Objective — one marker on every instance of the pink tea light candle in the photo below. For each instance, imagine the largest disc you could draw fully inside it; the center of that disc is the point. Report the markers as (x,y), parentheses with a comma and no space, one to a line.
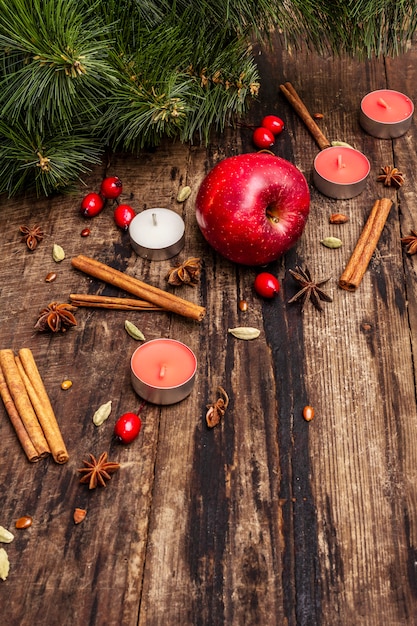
(340,172)
(163,371)
(386,114)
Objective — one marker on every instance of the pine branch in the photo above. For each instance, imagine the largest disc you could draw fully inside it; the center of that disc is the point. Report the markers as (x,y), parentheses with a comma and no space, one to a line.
(47,164)
(58,57)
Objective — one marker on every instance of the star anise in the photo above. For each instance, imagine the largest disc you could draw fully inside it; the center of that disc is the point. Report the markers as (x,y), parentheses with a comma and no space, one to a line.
(56,317)
(31,235)
(97,471)
(391,176)
(311,290)
(410,242)
(185,274)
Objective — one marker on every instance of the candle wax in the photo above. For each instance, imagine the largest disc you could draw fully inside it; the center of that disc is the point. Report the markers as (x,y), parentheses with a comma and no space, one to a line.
(163,363)
(387,106)
(156,228)
(342,165)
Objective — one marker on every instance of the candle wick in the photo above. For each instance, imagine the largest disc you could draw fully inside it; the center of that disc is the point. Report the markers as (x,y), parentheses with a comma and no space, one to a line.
(154,220)
(382,103)
(340,163)
(162,371)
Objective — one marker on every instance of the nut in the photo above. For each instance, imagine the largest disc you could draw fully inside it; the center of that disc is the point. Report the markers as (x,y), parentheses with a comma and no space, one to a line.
(338,218)
(308,413)
(79,515)
(24,522)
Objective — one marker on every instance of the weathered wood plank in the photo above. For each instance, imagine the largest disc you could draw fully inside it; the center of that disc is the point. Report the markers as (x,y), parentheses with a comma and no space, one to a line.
(266,519)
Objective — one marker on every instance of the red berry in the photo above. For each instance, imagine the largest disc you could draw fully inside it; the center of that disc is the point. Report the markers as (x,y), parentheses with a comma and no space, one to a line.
(91,204)
(266,285)
(123,215)
(273,123)
(127,427)
(111,187)
(263,138)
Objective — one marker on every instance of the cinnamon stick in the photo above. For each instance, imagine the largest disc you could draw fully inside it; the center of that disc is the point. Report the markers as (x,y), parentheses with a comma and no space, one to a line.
(108,302)
(42,405)
(366,245)
(22,402)
(158,297)
(16,420)
(298,105)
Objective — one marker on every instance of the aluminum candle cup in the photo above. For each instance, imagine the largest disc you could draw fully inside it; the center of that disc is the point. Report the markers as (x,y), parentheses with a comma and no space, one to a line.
(386,114)
(163,371)
(340,172)
(157,234)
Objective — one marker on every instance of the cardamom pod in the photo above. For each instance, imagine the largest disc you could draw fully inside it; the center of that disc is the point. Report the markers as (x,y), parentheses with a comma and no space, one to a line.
(4,564)
(102,413)
(244,332)
(134,331)
(58,253)
(341,143)
(183,194)
(331,242)
(5,535)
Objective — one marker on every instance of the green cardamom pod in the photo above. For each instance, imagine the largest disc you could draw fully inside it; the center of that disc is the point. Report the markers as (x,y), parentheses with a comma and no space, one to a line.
(58,253)
(183,194)
(341,143)
(5,535)
(4,564)
(244,332)
(102,413)
(331,242)
(134,331)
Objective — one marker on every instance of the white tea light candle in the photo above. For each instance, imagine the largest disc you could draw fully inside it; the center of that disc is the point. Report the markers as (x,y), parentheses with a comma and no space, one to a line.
(157,234)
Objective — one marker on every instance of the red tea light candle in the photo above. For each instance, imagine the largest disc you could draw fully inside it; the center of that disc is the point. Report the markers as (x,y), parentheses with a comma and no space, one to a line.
(386,114)
(163,371)
(340,172)
(157,234)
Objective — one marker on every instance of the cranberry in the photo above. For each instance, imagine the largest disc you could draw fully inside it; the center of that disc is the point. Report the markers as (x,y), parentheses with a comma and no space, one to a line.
(266,285)
(127,427)
(263,138)
(111,187)
(92,204)
(123,215)
(273,124)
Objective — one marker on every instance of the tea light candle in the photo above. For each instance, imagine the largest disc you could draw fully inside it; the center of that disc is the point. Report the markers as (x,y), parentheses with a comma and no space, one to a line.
(386,114)
(157,234)
(340,172)
(163,371)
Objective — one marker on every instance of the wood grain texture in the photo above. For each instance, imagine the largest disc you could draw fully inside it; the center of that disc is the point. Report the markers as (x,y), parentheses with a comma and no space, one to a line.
(265,519)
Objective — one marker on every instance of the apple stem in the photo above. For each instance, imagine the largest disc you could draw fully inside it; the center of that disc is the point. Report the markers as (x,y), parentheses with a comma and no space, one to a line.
(272,217)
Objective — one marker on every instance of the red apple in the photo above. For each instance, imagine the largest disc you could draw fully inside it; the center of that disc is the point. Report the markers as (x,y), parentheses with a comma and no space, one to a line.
(253,207)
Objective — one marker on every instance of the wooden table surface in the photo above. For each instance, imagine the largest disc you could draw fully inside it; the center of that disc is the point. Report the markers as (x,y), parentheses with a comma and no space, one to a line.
(265,519)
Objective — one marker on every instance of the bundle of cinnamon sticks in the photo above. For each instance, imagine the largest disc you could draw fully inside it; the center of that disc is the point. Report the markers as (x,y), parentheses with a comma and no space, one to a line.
(29,408)
(152,298)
